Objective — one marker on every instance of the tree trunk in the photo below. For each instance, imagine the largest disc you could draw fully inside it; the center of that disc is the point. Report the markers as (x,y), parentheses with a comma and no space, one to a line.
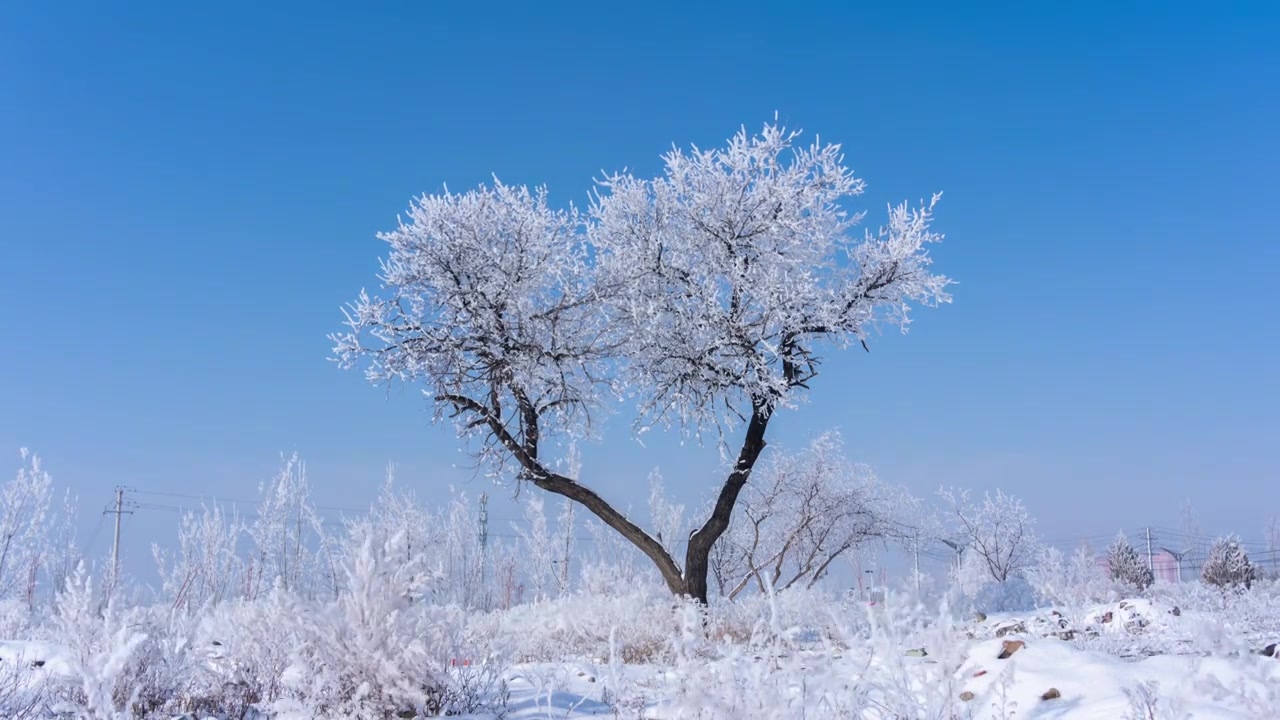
(702,540)
(692,582)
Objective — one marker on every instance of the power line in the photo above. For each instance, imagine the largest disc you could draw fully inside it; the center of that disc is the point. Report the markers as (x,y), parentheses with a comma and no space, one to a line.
(235,501)
(240,516)
(102,519)
(202,498)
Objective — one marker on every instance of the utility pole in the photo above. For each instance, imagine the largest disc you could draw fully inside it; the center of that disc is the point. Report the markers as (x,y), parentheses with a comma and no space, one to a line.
(917,566)
(959,548)
(862,591)
(1151,559)
(484,541)
(115,544)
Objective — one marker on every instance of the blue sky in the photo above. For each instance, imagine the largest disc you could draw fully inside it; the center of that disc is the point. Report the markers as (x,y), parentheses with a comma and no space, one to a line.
(190,191)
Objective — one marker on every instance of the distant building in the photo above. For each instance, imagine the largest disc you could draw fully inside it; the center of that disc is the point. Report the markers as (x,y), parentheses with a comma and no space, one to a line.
(1165,566)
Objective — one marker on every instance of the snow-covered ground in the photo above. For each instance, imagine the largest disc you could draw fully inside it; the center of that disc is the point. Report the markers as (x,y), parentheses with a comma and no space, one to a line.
(1044,678)
(1038,667)
(1136,658)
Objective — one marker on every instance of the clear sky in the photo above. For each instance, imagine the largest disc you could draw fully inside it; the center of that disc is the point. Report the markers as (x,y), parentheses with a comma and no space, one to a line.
(190,191)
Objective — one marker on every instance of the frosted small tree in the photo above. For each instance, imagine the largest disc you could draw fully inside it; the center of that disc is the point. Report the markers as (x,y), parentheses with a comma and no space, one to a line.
(397,512)
(1228,565)
(998,533)
(545,551)
(706,296)
(289,542)
(1126,566)
(276,542)
(64,548)
(804,511)
(462,558)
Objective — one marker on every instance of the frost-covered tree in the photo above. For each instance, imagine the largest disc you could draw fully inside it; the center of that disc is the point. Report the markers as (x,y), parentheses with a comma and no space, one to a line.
(397,512)
(1126,567)
(206,569)
(289,540)
(64,549)
(540,548)
(24,525)
(462,557)
(705,295)
(545,551)
(1070,582)
(802,512)
(998,533)
(1228,565)
(565,561)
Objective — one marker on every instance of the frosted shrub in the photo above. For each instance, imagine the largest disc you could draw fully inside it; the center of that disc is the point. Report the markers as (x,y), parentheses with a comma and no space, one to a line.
(367,654)
(580,626)
(1013,595)
(1070,582)
(807,616)
(772,679)
(162,673)
(244,649)
(801,512)
(20,697)
(638,628)
(902,685)
(614,567)
(865,669)
(1145,703)
(101,647)
(381,649)
(1252,616)
(16,620)
(288,539)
